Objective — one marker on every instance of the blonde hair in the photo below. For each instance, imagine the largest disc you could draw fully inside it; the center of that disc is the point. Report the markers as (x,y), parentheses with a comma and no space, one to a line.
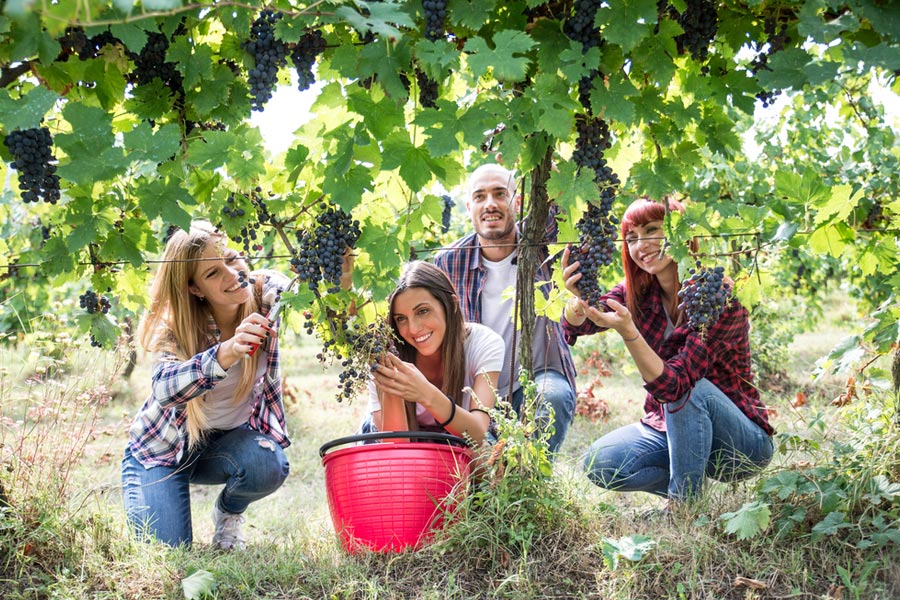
(177,320)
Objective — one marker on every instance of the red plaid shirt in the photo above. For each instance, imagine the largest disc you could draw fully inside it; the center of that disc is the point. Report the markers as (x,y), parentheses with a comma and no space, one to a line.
(721,355)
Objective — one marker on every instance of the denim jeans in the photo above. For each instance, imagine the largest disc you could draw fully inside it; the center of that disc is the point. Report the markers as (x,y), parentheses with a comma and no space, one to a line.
(706,436)
(158,500)
(553,391)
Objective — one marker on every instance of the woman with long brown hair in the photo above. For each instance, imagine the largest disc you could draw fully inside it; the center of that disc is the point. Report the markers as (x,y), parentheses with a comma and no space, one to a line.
(215,413)
(445,370)
(703,415)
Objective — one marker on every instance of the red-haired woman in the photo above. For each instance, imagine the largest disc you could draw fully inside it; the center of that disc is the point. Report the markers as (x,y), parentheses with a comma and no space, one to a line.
(704,417)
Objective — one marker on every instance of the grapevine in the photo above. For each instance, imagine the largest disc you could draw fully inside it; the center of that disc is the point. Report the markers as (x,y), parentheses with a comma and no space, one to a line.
(270,55)
(33,159)
(703,296)
(310,46)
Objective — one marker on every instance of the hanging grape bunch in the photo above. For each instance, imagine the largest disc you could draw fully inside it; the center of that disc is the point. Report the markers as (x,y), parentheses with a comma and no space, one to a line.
(304,55)
(363,347)
(270,55)
(446,213)
(151,64)
(596,248)
(776,40)
(93,303)
(580,26)
(429,90)
(435,15)
(320,253)
(32,151)
(703,296)
(700,24)
(597,226)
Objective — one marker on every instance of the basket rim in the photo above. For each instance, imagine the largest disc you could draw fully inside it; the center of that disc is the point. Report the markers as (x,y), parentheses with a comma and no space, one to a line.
(429,436)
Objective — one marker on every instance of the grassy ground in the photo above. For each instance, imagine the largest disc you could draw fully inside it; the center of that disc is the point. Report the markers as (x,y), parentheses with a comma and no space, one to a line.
(65,537)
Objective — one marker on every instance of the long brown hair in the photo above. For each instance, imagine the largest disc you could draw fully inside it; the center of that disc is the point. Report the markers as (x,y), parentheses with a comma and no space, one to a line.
(177,320)
(637,281)
(420,274)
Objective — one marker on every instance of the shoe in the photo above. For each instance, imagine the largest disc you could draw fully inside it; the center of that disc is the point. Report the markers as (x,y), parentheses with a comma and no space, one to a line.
(228,535)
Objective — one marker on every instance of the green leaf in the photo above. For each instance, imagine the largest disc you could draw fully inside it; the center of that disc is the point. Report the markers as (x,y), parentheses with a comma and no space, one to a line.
(787,70)
(553,107)
(632,548)
(830,525)
(383,19)
(194,60)
(28,111)
(748,521)
(628,23)
(150,101)
(614,102)
(837,206)
(416,166)
(198,584)
(143,144)
(134,37)
(163,198)
(505,59)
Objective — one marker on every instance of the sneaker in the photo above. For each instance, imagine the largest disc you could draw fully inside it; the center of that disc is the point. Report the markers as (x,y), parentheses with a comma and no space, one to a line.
(228,535)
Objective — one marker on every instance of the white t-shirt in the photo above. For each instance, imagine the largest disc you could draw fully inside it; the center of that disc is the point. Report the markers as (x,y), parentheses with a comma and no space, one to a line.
(500,278)
(484,354)
(221,409)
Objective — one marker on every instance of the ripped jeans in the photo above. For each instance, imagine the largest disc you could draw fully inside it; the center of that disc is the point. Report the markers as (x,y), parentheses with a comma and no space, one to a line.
(158,500)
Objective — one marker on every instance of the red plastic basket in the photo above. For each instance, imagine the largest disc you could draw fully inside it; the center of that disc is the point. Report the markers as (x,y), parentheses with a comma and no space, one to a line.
(389,497)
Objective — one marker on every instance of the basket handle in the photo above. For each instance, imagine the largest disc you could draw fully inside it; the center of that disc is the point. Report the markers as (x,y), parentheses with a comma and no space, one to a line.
(426,436)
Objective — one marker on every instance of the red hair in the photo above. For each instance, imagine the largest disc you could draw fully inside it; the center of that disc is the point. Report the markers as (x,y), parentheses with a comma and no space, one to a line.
(637,281)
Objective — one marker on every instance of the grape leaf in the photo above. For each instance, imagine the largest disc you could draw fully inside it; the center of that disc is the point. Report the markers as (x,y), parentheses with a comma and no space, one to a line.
(194,61)
(628,23)
(748,521)
(506,58)
(26,112)
(632,548)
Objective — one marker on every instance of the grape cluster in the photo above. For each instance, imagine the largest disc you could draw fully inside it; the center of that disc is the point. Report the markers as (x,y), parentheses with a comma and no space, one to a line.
(446,213)
(270,55)
(92,303)
(597,248)
(700,23)
(304,55)
(363,349)
(74,41)
(249,235)
(435,15)
(593,140)
(776,41)
(33,159)
(428,90)
(703,296)
(320,255)
(151,64)
(580,25)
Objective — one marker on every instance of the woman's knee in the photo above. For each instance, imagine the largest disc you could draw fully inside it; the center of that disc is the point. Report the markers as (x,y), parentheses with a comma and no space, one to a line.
(270,469)
(600,469)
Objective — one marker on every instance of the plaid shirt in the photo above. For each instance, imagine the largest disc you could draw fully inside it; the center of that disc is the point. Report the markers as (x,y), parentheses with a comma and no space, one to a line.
(158,436)
(461,261)
(722,356)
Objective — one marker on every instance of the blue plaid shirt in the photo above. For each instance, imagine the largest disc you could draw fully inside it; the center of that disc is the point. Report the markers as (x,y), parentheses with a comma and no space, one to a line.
(461,261)
(158,436)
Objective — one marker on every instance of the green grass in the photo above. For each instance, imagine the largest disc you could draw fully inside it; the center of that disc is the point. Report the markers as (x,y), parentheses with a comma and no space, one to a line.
(64,536)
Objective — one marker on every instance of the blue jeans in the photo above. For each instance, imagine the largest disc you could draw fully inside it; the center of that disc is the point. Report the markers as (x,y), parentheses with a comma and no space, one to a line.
(158,500)
(706,436)
(553,391)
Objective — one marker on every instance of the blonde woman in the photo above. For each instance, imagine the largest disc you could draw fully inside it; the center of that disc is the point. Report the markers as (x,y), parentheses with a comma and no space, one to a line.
(215,414)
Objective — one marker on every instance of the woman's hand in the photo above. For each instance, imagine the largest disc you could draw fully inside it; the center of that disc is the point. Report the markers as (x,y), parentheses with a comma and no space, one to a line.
(248,335)
(404,380)
(618,318)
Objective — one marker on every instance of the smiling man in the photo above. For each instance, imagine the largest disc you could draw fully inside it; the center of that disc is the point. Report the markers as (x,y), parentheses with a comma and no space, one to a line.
(482,266)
